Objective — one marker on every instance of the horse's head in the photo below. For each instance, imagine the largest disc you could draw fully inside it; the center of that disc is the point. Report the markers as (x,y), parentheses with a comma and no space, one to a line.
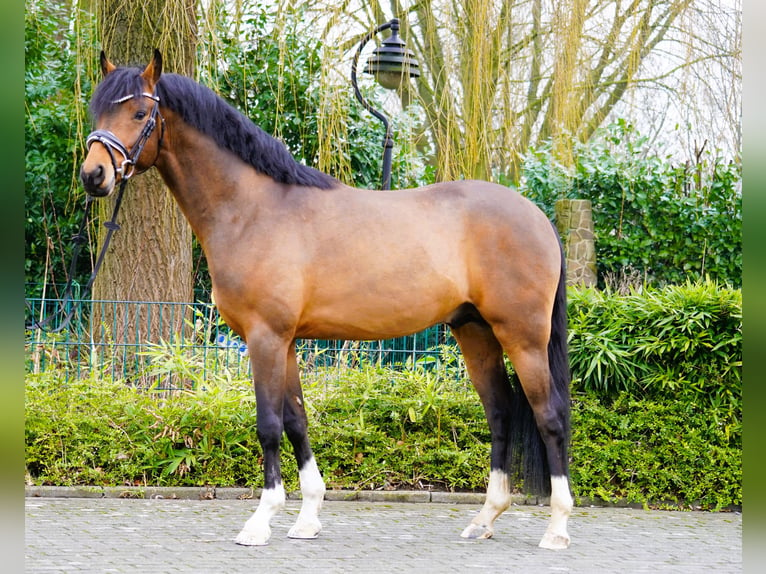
(127,138)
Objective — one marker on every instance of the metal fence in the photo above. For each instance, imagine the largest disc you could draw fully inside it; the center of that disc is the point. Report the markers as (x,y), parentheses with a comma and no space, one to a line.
(179,345)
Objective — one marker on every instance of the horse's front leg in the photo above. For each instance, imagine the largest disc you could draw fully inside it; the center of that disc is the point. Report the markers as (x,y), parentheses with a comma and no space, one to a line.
(268,358)
(307,525)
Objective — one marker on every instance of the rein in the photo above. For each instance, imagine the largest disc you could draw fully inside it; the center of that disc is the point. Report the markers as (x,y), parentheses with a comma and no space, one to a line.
(78,241)
(126,169)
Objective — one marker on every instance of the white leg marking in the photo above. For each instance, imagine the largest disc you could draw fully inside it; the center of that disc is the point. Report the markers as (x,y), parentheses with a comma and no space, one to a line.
(556,537)
(257,529)
(307,525)
(498,499)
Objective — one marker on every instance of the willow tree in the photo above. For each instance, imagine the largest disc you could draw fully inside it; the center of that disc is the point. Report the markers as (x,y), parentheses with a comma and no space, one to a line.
(530,70)
(501,75)
(150,258)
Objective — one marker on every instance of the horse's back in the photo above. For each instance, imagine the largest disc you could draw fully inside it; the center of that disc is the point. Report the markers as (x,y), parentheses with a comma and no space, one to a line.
(383,264)
(490,226)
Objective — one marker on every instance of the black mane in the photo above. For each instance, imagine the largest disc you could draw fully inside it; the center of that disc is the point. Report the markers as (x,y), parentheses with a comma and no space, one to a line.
(202,109)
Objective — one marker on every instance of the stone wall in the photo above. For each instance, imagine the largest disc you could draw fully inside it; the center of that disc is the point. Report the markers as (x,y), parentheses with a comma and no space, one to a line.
(574,220)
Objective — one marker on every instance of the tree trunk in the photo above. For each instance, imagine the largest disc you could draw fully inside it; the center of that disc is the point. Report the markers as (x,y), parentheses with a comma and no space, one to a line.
(150,257)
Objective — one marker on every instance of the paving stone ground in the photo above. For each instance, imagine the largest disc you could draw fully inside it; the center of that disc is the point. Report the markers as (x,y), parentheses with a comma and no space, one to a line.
(109,535)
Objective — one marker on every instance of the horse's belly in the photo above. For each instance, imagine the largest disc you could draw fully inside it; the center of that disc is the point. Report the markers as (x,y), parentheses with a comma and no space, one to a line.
(361,330)
(377,313)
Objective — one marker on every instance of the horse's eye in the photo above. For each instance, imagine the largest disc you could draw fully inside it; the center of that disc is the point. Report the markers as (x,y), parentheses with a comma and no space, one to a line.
(140,115)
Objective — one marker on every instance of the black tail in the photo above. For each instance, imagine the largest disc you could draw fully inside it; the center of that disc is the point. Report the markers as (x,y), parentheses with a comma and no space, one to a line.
(558,358)
(528,463)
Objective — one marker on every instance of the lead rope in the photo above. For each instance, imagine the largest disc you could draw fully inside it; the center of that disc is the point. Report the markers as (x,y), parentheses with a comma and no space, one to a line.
(78,241)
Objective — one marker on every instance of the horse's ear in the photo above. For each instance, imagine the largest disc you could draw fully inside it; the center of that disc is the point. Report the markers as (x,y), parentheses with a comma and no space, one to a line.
(106,66)
(152,72)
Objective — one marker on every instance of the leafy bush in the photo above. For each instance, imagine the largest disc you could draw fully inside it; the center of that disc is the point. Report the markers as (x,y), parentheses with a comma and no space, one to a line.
(671,223)
(378,427)
(682,342)
(662,452)
(371,429)
(374,427)
(101,431)
(657,414)
(53,139)
(657,394)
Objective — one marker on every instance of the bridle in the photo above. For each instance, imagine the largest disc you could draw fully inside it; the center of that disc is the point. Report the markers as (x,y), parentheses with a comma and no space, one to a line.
(126,168)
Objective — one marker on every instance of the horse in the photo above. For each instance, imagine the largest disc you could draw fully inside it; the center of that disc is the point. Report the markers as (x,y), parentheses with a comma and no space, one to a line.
(293,253)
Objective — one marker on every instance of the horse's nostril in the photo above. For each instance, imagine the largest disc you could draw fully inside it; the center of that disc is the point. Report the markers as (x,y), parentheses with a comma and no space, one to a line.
(93,178)
(98,175)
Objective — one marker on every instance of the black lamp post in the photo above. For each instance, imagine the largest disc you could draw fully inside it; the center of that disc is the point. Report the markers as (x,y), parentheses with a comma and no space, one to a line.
(390,64)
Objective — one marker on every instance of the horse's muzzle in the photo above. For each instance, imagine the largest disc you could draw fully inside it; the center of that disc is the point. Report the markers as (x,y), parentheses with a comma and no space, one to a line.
(94,182)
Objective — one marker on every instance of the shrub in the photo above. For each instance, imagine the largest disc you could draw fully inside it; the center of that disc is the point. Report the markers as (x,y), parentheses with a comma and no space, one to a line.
(681,342)
(654,452)
(656,414)
(101,431)
(669,222)
(383,428)
(657,395)
(374,427)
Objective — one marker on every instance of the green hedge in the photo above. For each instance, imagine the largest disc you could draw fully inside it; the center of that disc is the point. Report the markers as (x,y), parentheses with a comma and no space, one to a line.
(681,340)
(667,221)
(656,415)
(651,451)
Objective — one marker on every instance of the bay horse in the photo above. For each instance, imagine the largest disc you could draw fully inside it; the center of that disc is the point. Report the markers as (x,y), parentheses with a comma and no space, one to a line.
(294,253)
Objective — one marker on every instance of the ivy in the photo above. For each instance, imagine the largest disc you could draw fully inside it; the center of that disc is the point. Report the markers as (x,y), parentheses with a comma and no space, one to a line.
(667,222)
(52,146)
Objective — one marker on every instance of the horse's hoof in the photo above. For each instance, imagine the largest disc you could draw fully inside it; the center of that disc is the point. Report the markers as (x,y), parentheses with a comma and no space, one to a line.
(477,531)
(553,541)
(253,537)
(305,530)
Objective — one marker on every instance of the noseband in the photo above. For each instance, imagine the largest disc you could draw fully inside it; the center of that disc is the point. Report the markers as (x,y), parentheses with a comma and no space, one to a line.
(126,168)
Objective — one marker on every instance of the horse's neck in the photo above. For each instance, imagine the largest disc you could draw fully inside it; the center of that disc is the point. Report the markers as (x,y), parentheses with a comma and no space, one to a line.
(211,185)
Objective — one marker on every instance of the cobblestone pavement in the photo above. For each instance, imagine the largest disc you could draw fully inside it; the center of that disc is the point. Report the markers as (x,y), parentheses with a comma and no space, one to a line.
(158,536)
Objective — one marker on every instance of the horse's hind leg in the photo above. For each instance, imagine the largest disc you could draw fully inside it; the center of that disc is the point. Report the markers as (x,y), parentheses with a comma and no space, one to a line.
(484,359)
(551,411)
(307,525)
(518,421)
